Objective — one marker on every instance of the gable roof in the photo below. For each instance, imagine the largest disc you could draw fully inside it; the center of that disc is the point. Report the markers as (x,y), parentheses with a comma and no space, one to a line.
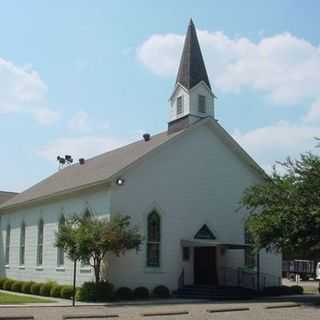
(5,196)
(97,170)
(192,69)
(105,167)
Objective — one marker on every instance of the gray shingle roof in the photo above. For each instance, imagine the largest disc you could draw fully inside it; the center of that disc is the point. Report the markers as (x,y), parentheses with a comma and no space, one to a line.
(5,196)
(192,69)
(95,170)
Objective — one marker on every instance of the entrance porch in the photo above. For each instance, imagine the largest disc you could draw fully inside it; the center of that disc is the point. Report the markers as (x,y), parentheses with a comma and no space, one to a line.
(215,264)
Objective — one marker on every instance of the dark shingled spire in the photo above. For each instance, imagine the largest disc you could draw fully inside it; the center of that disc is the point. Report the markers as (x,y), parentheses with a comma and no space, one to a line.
(192,69)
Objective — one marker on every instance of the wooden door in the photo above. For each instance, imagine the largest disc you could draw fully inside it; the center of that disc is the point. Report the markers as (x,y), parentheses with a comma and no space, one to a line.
(205,267)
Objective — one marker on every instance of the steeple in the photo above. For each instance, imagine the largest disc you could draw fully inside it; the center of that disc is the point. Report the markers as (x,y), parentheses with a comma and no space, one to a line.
(192,69)
(192,98)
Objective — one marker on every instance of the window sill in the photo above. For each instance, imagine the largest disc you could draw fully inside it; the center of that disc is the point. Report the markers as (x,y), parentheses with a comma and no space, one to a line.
(39,268)
(7,266)
(60,269)
(153,270)
(21,267)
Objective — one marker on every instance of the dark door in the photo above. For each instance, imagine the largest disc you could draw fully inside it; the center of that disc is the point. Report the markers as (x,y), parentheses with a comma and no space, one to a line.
(205,267)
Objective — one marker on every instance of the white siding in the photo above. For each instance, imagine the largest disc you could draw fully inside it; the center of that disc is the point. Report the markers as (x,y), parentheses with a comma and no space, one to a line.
(195,180)
(97,201)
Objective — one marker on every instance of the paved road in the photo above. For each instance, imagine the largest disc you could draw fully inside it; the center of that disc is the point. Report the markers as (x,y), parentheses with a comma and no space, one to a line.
(257,310)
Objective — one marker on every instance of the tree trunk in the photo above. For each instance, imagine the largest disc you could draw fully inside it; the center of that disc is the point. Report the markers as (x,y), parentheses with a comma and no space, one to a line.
(97,270)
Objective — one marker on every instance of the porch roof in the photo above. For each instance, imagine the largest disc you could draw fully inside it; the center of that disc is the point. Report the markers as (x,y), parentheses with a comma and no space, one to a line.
(213,243)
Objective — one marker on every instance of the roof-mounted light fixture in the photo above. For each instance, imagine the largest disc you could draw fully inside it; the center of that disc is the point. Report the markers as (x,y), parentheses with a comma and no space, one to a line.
(120,181)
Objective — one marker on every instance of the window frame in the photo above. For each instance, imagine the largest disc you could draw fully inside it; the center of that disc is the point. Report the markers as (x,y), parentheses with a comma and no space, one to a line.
(202,104)
(60,251)
(40,243)
(180,106)
(22,248)
(155,242)
(8,240)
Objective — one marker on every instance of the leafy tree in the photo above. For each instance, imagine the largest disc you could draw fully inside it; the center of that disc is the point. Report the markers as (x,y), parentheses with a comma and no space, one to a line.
(285,209)
(88,239)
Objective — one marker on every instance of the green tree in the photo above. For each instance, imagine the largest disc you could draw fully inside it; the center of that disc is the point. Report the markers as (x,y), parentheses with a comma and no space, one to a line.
(88,239)
(285,209)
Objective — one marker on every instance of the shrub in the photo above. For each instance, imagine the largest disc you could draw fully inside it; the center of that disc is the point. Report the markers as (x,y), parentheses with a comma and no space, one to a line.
(296,290)
(7,284)
(2,280)
(46,288)
(26,286)
(92,292)
(124,293)
(141,293)
(55,291)
(276,291)
(35,288)
(16,286)
(66,292)
(161,292)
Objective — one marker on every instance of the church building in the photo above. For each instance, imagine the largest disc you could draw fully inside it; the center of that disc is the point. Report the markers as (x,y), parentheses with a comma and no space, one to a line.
(181,187)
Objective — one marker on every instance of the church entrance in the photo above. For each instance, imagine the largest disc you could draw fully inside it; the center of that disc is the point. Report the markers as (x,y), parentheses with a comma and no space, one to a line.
(205,266)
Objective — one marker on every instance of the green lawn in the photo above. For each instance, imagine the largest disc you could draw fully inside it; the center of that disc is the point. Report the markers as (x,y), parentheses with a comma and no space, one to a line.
(9,298)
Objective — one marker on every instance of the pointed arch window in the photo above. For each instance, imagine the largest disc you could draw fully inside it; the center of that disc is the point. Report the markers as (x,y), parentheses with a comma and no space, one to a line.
(153,239)
(8,235)
(40,243)
(22,243)
(60,252)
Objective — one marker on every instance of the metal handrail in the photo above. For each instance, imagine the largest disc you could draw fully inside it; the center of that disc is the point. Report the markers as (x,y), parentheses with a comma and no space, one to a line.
(247,279)
(181,279)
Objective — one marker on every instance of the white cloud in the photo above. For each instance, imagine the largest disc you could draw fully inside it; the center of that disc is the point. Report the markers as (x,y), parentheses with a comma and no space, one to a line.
(313,115)
(276,142)
(79,121)
(81,147)
(283,66)
(23,91)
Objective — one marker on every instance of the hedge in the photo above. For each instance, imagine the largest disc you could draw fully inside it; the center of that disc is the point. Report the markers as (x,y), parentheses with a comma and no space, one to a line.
(2,280)
(66,292)
(282,290)
(26,286)
(124,293)
(92,292)
(35,288)
(7,284)
(55,291)
(161,292)
(141,293)
(16,286)
(46,288)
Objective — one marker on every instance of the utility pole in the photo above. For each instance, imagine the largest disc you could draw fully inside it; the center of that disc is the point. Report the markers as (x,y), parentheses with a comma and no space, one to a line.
(74,282)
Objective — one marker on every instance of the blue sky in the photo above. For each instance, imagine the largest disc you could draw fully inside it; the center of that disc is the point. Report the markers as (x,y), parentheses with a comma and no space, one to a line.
(83,77)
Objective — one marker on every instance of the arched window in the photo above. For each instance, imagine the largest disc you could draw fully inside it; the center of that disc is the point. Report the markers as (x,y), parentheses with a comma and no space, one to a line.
(40,243)
(60,252)
(87,213)
(8,234)
(153,239)
(22,243)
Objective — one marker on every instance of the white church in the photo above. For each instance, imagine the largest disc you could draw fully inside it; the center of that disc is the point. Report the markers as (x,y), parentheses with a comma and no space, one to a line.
(181,187)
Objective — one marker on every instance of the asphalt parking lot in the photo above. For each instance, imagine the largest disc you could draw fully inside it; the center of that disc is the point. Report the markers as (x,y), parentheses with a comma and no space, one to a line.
(306,307)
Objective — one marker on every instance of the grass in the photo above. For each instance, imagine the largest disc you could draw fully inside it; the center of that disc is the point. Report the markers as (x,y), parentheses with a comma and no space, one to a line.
(9,298)
(309,290)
